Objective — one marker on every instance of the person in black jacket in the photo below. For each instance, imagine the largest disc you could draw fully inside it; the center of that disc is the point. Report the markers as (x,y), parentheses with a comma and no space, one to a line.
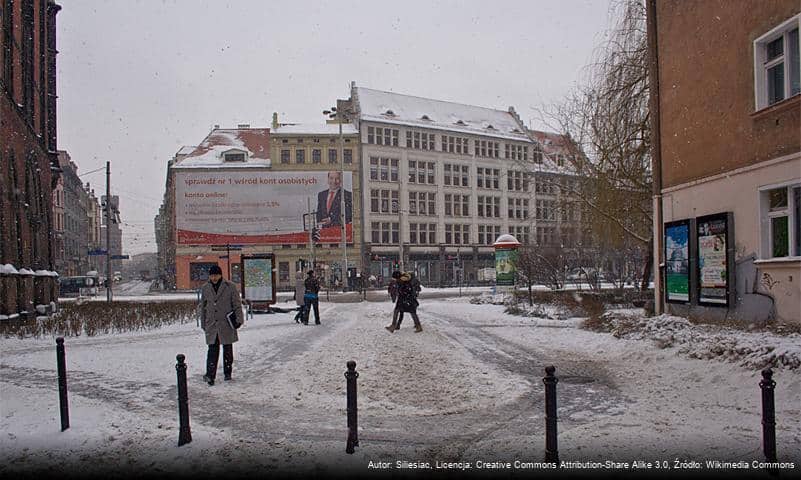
(407,298)
(392,289)
(312,286)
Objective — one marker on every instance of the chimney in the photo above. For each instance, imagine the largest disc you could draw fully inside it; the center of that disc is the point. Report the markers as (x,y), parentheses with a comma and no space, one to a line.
(243,125)
(275,120)
(216,127)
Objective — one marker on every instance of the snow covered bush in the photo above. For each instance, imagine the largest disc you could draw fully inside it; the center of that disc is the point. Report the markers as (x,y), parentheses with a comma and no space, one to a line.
(93,318)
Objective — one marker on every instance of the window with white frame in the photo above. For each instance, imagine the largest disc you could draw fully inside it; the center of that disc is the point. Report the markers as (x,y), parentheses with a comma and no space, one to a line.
(488,233)
(383,201)
(421,172)
(382,136)
(777,69)
(384,232)
(383,169)
(422,203)
(457,234)
(781,219)
(422,233)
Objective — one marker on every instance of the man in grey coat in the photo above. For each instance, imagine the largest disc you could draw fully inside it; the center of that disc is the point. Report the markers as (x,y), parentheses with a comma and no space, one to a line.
(218,298)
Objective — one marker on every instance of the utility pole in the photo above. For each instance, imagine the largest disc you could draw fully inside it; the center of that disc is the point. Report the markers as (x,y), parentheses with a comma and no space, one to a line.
(108,232)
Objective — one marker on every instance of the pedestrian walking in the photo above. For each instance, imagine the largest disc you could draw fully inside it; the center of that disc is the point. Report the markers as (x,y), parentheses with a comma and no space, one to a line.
(392,289)
(407,300)
(312,286)
(220,316)
(300,291)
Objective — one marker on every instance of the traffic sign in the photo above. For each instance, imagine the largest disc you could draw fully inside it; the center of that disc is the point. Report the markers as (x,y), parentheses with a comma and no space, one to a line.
(97,252)
(120,257)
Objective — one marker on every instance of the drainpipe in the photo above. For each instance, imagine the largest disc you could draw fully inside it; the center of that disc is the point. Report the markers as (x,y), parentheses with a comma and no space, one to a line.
(656,155)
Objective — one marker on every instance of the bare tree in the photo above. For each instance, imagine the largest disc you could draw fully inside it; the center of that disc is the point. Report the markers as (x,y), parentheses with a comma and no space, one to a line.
(605,124)
(541,266)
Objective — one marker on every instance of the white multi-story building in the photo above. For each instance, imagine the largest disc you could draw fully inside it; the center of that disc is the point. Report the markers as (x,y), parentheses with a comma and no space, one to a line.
(443,180)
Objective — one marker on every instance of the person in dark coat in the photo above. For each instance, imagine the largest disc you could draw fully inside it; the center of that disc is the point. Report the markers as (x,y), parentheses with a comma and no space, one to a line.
(312,286)
(407,298)
(392,289)
(218,298)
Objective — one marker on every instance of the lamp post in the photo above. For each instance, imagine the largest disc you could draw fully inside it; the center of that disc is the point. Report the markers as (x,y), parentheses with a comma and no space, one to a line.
(339,117)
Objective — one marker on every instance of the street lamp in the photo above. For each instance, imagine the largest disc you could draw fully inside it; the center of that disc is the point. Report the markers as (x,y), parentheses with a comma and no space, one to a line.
(333,114)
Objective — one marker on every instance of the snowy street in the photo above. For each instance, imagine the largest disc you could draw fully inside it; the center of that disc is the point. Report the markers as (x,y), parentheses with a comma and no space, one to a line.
(466,389)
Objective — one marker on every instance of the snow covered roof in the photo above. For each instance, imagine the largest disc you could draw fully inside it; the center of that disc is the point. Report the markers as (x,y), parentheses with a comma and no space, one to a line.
(186,150)
(553,144)
(314,129)
(253,141)
(398,109)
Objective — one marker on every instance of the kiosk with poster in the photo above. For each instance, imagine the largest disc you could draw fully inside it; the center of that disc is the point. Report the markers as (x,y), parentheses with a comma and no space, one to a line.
(677,261)
(258,282)
(715,260)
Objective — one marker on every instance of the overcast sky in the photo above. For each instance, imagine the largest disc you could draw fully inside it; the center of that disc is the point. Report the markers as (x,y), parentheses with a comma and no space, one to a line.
(139,79)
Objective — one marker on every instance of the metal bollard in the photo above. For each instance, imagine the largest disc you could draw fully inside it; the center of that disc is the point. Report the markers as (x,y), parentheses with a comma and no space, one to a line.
(768,415)
(184,433)
(353,436)
(551,450)
(62,384)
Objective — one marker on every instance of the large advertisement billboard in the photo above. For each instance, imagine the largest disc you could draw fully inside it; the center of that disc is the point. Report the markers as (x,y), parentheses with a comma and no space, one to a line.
(677,261)
(241,207)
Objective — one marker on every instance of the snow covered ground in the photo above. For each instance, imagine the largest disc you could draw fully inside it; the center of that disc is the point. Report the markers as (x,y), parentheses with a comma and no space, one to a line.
(466,389)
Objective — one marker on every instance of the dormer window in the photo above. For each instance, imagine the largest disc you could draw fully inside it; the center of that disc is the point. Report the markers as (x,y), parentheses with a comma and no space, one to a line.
(514,130)
(459,122)
(426,118)
(389,113)
(234,157)
(490,127)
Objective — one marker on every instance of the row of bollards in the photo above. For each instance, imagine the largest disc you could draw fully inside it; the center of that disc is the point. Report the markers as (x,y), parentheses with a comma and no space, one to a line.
(767,385)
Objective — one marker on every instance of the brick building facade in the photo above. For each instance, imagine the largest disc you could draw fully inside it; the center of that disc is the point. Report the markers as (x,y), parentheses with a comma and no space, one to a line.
(27,155)
(727,103)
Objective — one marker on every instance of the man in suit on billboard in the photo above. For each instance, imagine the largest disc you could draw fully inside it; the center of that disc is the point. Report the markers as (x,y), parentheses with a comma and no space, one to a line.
(329,202)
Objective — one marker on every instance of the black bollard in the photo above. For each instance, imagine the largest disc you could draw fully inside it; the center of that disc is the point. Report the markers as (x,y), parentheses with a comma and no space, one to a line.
(62,384)
(551,450)
(184,433)
(353,436)
(768,415)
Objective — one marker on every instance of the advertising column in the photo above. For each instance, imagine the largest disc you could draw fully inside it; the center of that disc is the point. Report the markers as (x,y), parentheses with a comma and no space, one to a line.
(505,262)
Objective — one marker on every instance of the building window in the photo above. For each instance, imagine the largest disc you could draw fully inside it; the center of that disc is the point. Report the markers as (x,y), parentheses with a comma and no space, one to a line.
(537,153)
(317,155)
(347,155)
(283,272)
(234,157)
(780,212)
(332,155)
(457,234)
(383,169)
(777,69)
(422,203)
(384,232)
(300,156)
(422,233)
(384,201)
(285,156)
(487,177)
(421,172)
